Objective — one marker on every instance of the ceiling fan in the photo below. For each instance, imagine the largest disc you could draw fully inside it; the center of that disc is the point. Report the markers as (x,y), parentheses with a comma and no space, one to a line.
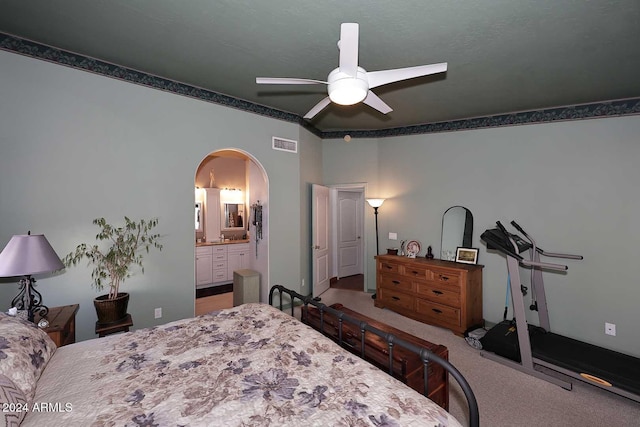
(350,84)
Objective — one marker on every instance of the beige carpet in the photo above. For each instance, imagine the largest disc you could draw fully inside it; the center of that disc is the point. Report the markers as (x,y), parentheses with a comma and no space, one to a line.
(506,397)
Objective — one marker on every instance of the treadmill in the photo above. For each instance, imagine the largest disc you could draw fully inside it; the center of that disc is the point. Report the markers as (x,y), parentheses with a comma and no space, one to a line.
(544,354)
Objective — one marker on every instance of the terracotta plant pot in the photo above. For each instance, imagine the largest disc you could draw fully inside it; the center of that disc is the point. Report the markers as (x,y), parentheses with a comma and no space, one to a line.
(111,310)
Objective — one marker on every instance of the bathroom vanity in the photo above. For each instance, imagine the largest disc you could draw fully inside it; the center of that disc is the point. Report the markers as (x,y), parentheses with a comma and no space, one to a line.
(216,262)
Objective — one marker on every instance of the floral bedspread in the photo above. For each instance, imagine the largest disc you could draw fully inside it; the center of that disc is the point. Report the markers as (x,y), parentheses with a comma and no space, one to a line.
(251,365)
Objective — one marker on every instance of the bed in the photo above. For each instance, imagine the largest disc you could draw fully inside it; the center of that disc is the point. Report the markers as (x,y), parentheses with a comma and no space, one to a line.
(251,365)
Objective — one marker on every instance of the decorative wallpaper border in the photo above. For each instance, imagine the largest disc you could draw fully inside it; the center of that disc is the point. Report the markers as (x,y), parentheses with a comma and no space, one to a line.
(625,107)
(14,44)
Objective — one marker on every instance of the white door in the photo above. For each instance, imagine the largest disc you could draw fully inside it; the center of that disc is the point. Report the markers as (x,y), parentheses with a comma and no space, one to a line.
(350,245)
(320,217)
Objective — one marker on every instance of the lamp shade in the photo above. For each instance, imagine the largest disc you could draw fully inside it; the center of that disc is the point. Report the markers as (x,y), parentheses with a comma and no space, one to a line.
(28,254)
(375,203)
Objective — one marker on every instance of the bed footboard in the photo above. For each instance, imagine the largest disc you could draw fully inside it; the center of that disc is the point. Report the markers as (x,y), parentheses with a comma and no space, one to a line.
(425,355)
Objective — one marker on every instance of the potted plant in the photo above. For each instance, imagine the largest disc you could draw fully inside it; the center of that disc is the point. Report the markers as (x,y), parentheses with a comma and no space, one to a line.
(113,264)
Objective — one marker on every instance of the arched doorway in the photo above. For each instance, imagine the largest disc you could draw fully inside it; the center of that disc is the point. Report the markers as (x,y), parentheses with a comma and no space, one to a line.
(236,182)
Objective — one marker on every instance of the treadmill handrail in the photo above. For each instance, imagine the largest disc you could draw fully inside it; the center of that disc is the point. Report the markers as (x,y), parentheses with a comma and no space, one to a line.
(546,265)
(542,251)
(559,255)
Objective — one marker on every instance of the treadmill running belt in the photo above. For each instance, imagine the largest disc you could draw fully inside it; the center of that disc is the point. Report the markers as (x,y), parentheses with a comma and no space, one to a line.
(621,370)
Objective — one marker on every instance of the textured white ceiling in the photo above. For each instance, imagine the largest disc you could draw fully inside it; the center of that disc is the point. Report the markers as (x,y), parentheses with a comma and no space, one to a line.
(503,55)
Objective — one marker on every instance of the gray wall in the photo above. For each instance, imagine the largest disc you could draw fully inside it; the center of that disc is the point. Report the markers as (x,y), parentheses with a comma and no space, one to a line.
(75,146)
(572,185)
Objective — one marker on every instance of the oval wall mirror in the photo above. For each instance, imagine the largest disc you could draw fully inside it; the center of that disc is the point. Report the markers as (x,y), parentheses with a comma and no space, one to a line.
(457,230)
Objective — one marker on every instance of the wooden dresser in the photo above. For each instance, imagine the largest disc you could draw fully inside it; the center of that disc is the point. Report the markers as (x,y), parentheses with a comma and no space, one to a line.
(441,293)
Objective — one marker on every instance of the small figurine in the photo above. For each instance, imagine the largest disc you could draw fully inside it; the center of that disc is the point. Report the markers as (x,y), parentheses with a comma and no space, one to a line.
(429,253)
(402,248)
(212,179)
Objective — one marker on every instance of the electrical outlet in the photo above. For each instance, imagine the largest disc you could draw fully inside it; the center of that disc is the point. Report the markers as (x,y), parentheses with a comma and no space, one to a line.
(158,313)
(610,329)
(393,236)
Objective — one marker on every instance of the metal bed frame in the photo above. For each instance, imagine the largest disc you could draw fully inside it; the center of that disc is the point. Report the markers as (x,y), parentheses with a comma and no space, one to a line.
(425,355)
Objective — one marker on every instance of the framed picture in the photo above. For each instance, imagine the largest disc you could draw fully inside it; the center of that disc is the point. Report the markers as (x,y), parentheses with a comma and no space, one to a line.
(467,255)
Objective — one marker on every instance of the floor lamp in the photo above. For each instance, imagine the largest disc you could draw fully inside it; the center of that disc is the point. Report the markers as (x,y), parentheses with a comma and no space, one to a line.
(375,204)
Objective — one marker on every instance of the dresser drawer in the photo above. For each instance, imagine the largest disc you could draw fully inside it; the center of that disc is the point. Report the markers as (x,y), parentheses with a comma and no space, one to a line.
(396,282)
(438,313)
(444,277)
(437,292)
(396,299)
(415,271)
(388,267)
(440,294)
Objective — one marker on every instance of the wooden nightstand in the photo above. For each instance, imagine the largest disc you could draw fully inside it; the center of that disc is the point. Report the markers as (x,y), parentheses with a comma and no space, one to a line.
(104,329)
(62,324)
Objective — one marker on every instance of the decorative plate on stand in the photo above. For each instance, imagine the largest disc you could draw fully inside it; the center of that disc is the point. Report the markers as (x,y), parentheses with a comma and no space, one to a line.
(413,248)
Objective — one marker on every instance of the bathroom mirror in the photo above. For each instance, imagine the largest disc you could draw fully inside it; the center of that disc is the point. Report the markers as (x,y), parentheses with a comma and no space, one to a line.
(457,230)
(198,217)
(233,216)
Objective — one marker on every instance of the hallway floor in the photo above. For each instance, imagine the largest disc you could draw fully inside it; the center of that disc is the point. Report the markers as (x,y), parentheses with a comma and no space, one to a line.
(350,283)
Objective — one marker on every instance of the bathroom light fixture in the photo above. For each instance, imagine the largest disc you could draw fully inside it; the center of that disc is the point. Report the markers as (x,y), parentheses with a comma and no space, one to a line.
(231,195)
(199,195)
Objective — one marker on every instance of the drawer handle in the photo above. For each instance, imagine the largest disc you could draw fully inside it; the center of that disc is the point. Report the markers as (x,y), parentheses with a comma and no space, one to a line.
(415,273)
(437,292)
(445,278)
(388,267)
(396,282)
(437,311)
(395,298)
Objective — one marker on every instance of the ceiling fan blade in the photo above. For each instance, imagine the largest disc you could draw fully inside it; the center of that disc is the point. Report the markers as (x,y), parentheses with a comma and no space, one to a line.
(348,46)
(379,78)
(372,100)
(317,108)
(287,81)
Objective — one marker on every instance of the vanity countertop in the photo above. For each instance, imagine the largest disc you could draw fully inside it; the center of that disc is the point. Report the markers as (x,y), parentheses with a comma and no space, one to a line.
(222,242)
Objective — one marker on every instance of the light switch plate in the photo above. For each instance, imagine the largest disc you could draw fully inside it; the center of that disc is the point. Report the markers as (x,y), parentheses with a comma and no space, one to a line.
(393,236)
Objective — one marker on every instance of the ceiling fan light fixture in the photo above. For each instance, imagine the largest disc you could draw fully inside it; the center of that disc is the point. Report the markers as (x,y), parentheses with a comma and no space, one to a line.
(349,84)
(348,91)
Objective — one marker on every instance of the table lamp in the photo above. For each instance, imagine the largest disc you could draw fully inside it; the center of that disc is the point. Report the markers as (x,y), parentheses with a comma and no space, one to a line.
(26,255)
